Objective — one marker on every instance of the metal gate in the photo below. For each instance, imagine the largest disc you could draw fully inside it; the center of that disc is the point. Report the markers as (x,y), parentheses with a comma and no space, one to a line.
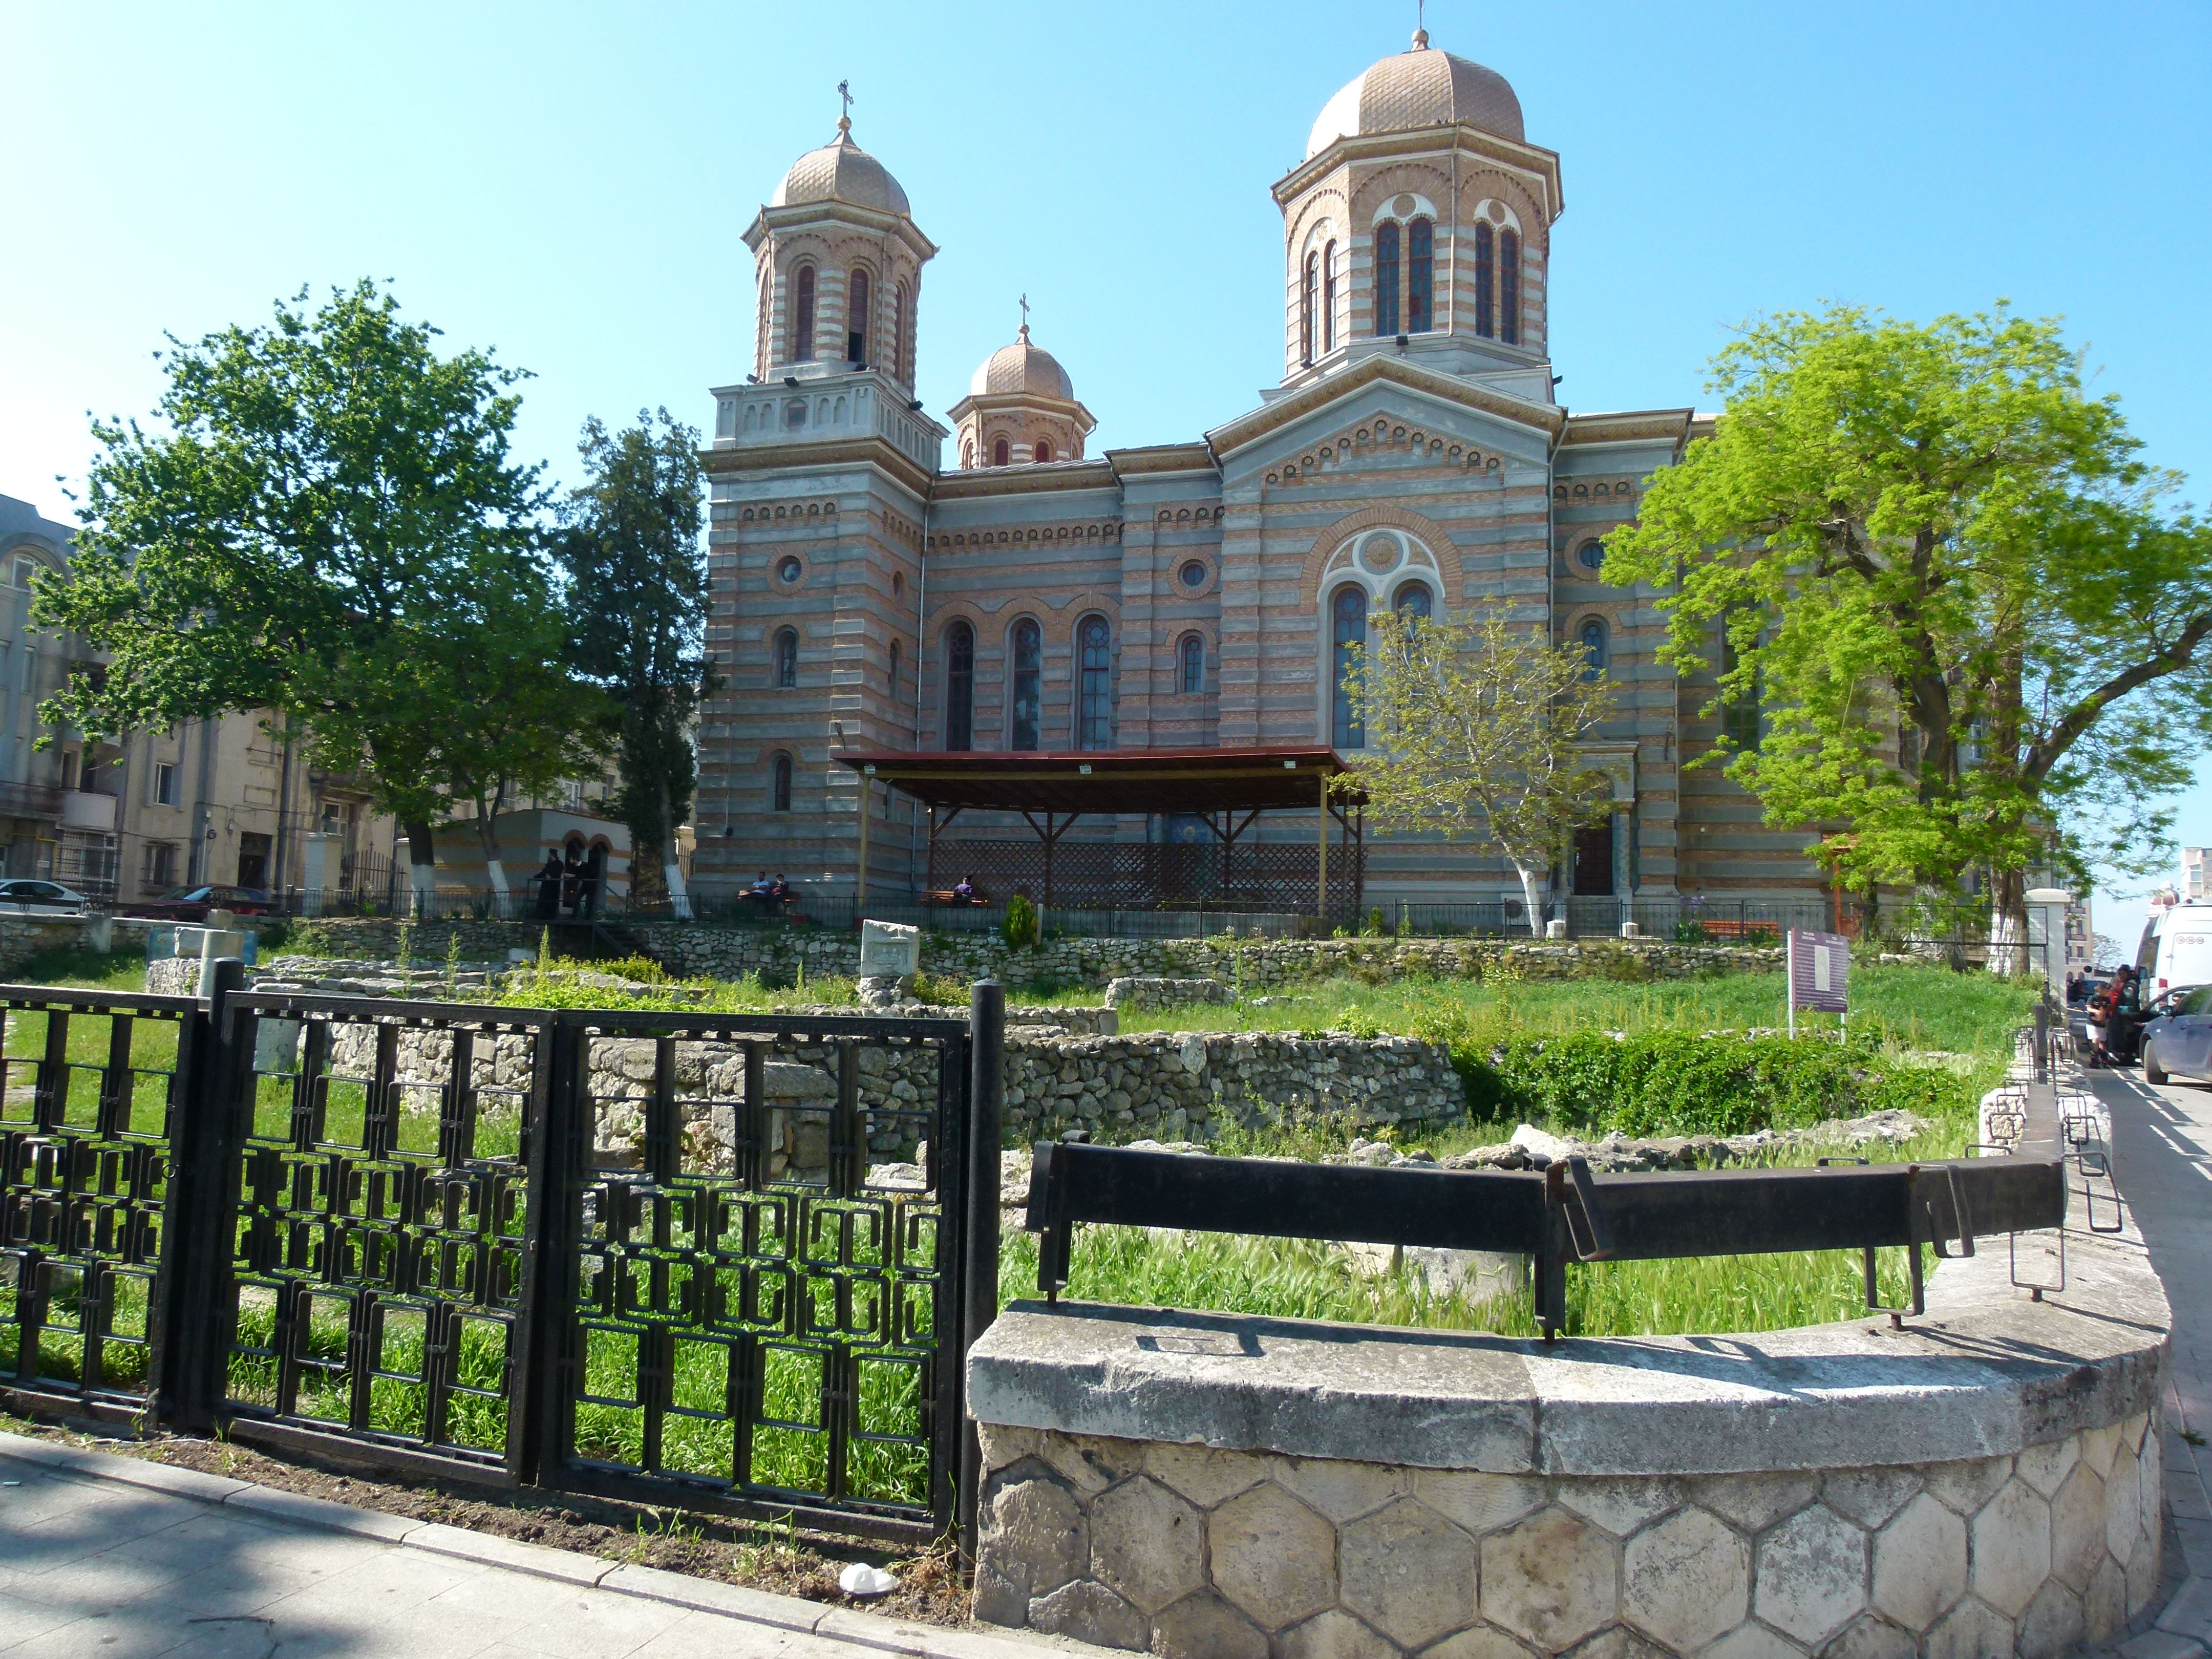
(715,1260)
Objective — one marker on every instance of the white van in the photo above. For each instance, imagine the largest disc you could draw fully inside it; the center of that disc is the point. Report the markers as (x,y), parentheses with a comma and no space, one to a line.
(2176,949)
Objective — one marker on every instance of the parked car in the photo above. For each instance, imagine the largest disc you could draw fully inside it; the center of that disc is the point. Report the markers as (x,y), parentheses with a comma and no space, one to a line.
(43,895)
(193,904)
(2176,948)
(2178,1041)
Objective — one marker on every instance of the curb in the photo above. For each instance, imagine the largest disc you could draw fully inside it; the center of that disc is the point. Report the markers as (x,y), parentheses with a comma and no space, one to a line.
(761,1608)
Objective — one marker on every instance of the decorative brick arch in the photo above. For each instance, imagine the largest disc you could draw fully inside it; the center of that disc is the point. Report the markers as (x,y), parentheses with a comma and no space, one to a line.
(1371,517)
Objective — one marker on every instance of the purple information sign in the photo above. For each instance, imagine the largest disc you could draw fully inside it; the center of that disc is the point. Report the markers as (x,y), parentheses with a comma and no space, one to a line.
(1820,970)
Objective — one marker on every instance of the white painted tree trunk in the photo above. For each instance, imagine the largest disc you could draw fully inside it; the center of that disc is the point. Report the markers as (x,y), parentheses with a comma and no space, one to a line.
(676,895)
(2008,945)
(424,878)
(503,897)
(1534,897)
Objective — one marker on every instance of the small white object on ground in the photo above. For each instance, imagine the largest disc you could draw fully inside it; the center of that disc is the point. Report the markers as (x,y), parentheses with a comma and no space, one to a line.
(862,1579)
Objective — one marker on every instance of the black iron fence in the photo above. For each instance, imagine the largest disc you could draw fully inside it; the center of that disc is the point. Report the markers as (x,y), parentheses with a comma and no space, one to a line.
(721,1260)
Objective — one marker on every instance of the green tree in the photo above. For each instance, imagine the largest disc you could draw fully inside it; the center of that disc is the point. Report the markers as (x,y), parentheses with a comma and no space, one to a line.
(325,523)
(1480,719)
(637,601)
(1975,622)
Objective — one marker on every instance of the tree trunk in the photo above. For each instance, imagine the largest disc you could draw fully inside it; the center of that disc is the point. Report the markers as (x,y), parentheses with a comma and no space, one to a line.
(2008,941)
(1535,900)
(677,897)
(502,896)
(423,867)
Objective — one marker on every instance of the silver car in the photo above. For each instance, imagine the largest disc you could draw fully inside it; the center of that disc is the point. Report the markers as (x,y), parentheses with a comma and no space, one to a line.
(36,895)
(2178,1042)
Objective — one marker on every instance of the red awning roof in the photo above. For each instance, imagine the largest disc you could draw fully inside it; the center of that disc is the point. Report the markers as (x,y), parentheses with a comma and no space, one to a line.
(1109,780)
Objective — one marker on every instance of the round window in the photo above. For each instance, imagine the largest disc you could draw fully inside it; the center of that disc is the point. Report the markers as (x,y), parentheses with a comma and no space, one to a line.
(1592,554)
(788,570)
(1381,554)
(1194,574)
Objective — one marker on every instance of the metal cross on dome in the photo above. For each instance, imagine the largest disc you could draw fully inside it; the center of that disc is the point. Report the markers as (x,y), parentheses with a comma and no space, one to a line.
(845,91)
(1025,311)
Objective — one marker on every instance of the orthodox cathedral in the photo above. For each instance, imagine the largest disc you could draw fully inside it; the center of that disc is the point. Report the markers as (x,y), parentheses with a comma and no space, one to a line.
(1204,592)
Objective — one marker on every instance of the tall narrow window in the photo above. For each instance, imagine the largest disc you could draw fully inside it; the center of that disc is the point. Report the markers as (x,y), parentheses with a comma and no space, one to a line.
(899,653)
(779,794)
(1740,714)
(787,659)
(1190,669)
(1028,684)
(856,318)
(1420,267)
(1386,280)
(1509,286)
(1329,298)
(1594,649)
(1044,450)
(1095,705)
(1348,633)
(960,686)
(1485,257)
(1309,292)
(898,332)
(802,326)
(1414,599)
(998,454)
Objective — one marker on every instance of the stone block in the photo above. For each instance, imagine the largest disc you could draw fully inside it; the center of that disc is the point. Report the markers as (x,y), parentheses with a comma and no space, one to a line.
(1872,1637)
(1002,1445)
(1555,1578)
(1089,1611)
(1754,1640)
(2046,1466)
(1204,1626)
(1620,1506)
(1146,1542)
(2162,1644)
(1619,1642)
(2098,1446)
(1972,1630)
(2142,1574)
(2053,1624)
(2104,1602)
(1203,1475)
(1869,1496)
(1965,1486)
(2124,1505)
(1811,1575)
(1001,1597)
(1480,1503)
(1340,1490)
(1687,1580)
(1754,1502)
(1920,1563)
(1091,1463)
(2011,1548)
(890,949)
(1333,1635)
(1035,1537)
(2077,1527)
(1408,1571)
(1273,1556)
(1479,1642)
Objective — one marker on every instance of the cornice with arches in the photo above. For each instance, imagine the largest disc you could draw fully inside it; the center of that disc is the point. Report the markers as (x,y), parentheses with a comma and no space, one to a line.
(1432,534)
(1329,202)
(1100,531)
(1378,436)
(1057,618)
(1476,187)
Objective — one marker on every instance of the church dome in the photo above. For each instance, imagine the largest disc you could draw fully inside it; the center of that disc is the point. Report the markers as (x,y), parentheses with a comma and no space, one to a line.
(1022,366)
(841,171)
(1418,89)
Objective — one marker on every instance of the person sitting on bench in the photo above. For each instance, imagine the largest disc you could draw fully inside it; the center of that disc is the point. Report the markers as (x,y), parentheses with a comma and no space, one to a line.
(963,891)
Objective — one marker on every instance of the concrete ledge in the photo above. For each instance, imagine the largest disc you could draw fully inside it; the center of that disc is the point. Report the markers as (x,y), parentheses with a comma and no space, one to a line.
(538,1560)
(270,1503)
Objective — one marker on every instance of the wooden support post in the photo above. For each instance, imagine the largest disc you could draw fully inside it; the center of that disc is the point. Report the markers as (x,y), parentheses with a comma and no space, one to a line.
(1322,912)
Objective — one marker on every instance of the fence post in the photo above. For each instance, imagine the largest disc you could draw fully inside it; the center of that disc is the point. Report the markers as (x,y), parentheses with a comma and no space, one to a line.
(537,1426)
(979,1290)
(197,1235)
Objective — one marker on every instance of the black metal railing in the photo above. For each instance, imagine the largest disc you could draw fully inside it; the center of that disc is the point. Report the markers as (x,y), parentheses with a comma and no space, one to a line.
(720,1260)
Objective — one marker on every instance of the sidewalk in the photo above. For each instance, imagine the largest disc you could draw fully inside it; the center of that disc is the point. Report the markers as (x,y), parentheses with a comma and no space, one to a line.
(2162,1156)
(105,1557)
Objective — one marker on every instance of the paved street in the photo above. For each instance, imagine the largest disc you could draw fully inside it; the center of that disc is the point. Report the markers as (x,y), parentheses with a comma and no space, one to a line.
(92,1569)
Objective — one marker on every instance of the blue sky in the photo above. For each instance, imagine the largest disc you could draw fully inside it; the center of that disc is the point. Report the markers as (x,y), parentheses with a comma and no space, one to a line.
(569,185)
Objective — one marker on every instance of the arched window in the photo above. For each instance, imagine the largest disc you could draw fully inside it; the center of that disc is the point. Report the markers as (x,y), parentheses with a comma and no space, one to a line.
(1095,695)
(898,330)
(787,659)
(1190,665)
(1307,293)
(1348,633)
(802,327)
(1485,257)
(1595,653)
(898,656)
(1028,684)
(856,318)
(1329,298)
(1414,599)
(966,453)
(1386,280)
(1592,554)
(1000,455)
(779,788)
(1044,450)
(1509,286)
(1420,267)
(959,686)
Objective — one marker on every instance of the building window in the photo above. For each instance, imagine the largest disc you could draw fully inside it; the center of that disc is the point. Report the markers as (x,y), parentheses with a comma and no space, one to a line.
(1509,286)
(1348,633)
(1194,574)
(1028,684)
(161,871)
(1414,599)
(1386,280)
(779,788)
(1000,455)
(1307,293)
(1420,267)
(802,327)
(898,332)
(898,653)
(787,659)
(856,318)
(959,686)
(1484,257)
(966,453)
(1594,655)
(165,784)
(1740,714)
(1591,553)
(1329,298)
(1190,665)
(1095,705)
(788,569)
(1044,450)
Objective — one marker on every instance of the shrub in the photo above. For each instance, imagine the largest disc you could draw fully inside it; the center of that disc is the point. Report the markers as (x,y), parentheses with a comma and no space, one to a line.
(1019,928)
(1689,933)
(1376,927)
(939,991)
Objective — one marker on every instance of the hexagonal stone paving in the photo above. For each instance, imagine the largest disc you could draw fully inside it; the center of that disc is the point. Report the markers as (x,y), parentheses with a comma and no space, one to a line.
(1408,1571)
(1555,1578)
(1147,1542)
(1919,1563)
(1273,1556)
(2012,1548)
(1687,1580)
(1811,1575)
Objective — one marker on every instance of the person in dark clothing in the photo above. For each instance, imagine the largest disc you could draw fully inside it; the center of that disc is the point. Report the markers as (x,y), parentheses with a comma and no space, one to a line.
(549,886)
(572,880)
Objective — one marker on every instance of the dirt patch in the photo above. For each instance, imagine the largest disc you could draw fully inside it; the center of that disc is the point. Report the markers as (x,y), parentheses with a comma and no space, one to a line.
(783,1560)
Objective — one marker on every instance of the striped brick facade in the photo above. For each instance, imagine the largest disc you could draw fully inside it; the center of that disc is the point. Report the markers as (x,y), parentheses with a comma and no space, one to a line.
(834,521)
